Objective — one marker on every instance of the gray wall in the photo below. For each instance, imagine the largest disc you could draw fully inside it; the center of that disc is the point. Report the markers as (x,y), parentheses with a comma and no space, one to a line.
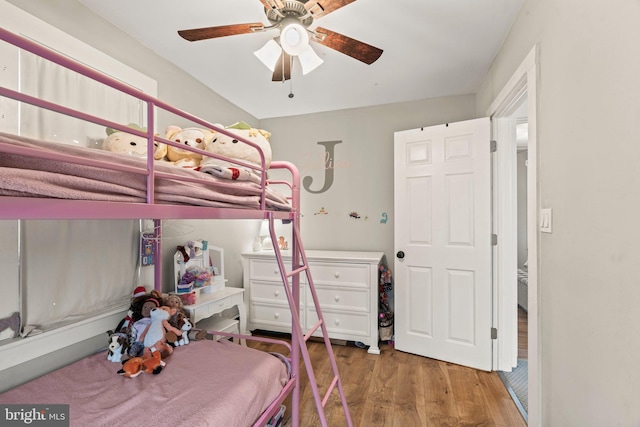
(588,139)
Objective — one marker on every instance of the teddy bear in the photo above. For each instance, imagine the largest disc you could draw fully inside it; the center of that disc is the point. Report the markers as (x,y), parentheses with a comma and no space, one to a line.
(232,148)
(192,137)
(132,145)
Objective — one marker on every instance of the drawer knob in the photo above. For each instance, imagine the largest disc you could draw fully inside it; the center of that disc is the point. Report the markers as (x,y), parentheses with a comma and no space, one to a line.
(337,298)
(336,274)
(276,293)
(276,315)
(337,322)
(276,271)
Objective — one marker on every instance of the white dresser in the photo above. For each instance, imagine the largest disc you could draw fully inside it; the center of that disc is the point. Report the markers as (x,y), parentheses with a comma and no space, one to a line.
(346,284)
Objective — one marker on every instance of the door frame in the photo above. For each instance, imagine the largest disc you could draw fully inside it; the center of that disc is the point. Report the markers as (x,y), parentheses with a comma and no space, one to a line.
(522,82)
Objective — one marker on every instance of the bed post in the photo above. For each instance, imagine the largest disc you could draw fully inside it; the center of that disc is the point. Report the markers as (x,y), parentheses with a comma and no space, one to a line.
(295,263)
(157,262)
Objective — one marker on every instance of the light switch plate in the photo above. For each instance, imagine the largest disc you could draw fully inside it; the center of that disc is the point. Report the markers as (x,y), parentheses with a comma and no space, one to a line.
(546,220)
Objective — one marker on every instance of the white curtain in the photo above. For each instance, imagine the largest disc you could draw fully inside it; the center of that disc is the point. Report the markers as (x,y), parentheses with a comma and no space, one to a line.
(49,81)
(76,269)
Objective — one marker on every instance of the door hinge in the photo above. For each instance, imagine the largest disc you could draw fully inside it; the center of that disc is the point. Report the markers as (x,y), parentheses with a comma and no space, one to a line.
(494,333)
(494,239)
(494,146)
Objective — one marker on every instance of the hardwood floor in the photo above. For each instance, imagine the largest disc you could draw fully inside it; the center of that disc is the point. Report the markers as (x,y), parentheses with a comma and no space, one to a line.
(397,389)
(523,344)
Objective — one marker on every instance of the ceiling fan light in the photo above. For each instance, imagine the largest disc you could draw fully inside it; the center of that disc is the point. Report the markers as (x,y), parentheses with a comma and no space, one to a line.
(294,39)
(309,60)
(269,54)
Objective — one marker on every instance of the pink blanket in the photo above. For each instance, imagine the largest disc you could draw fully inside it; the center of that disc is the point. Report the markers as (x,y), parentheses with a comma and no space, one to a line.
(205,383)
(24,176)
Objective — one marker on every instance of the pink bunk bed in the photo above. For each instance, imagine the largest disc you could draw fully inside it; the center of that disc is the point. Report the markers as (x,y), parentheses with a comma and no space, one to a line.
(205,382)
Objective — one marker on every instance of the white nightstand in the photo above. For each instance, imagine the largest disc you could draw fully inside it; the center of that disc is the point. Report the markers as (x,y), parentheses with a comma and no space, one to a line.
(209,304)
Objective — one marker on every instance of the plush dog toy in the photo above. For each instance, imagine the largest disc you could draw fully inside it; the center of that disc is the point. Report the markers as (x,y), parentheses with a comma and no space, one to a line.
(118,345)
(232,148)
(192,137)
(183,323)
(132,145)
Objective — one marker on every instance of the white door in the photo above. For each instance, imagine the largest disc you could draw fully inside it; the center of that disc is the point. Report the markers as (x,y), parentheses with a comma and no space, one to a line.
(443,242)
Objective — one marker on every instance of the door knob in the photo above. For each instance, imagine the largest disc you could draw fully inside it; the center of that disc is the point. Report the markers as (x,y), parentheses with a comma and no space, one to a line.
(400,254)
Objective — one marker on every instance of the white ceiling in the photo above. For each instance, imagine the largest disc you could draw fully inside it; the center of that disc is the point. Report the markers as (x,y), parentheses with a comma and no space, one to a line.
(432,48)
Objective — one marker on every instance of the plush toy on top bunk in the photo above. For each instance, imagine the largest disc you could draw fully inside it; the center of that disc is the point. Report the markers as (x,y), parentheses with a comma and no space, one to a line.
(229,147)
(131,145)
(192,137)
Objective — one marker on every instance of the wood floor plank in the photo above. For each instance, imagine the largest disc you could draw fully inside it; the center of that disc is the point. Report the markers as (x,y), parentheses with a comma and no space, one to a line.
(409,401)
(498,403)
(375,415)
(439,399)
(468,394)
(385,376)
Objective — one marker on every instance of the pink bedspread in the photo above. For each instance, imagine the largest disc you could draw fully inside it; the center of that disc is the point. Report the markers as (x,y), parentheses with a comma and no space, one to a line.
(205,383)
(23,176)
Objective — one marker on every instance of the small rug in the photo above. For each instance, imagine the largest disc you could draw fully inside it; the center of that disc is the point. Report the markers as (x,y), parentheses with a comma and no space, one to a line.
(517,382)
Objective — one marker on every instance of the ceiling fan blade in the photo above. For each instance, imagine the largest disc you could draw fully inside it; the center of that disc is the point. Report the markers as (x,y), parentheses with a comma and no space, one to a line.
(282,71)
(272,4)
(356,49)
(318,8)
(196,34)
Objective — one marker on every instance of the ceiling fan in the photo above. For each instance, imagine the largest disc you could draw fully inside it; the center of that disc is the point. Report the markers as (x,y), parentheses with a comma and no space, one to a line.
(293,18)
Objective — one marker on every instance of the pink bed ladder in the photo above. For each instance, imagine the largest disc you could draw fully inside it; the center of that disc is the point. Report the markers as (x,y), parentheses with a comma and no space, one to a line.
(298,339)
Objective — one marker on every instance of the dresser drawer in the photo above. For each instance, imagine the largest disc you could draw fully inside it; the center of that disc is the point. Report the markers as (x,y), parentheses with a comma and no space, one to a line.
(260,269)
(355,275)
(214,307)
(271,292)
(345,299)
(264,316)
(341,323)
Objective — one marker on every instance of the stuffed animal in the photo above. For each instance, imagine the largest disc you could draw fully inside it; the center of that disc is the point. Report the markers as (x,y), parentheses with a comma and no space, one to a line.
(192,137)
(132,145)
(151,364)
(179,317)
(183,323)
(117,347)
(141,316)
(232,148)
(154,336)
